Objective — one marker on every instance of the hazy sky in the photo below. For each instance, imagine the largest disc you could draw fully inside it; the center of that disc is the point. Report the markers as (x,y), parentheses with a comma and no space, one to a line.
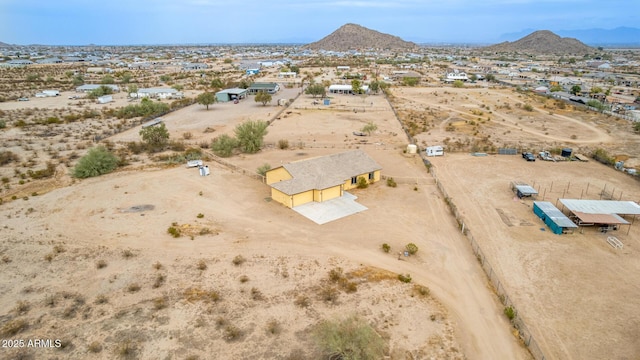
(120,22)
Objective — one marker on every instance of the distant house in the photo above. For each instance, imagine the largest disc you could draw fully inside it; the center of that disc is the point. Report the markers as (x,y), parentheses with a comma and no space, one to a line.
(343,68)
(322,178)
(346,89)
(159,93)
(287,74)
(453,75)
(194,66)
(253,71)
(269,87)
(91,87)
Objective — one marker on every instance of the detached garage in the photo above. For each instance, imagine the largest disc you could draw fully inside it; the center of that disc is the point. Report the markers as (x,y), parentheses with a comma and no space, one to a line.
(227,95)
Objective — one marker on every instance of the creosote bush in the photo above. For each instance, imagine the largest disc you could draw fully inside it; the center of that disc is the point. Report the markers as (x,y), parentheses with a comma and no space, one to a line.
(238,260)
(404,278)
(509,312)
(411,248)
(351,338)
(386,248)
(391,182)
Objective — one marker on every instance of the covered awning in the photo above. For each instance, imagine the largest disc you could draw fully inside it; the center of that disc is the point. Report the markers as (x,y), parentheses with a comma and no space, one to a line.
(605,219)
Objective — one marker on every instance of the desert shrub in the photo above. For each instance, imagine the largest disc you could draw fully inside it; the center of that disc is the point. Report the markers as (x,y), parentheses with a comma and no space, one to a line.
(7,157)
(97,162)
(391,182)
(157,265)
(126,350)
(250,135)
(127,254)
(422,290)
(47,172)
(174,231)
(386,248)
(12,327)
(243,278)
(159,303)
(335,274)
(22,307)
(283,144)
(527,107)
(329,294)
(256,294)
(200,215)
(238,260)
(94,347)
(101,264)
(133,287)
(159,281)
(362,183)
(232,333)
(302,301)
(101,299)
(404,278)
(187,135)
(602,156)
(224,145)
(274,327)
(509,312)
(59,249)
(48,257)
(262,170)
(351,338)
(3,124)
(411,248)
(202,264)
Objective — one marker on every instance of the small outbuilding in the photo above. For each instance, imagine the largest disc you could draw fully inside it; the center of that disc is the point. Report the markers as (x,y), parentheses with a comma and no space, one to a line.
(558,222)
(434,150)
(105,99)
(269,87)
(523,190)
(227,95)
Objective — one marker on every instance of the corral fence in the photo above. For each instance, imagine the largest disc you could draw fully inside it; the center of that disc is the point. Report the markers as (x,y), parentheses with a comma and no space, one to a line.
(517,321)
(252,174)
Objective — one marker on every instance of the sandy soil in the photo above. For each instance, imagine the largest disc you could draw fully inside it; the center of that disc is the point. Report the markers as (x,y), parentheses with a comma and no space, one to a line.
(53,243)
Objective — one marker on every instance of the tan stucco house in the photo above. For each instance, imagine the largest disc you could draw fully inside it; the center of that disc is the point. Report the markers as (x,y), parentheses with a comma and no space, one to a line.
(322,178)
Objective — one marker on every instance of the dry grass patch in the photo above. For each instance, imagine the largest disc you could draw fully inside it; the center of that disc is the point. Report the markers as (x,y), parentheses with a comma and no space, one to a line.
(196,294)
(13,327)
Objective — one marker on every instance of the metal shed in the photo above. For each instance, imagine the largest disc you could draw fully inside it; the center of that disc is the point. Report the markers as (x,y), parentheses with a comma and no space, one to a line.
(558,222)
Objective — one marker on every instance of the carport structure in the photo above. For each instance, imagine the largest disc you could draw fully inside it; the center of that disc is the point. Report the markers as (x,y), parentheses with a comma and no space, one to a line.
(604,213)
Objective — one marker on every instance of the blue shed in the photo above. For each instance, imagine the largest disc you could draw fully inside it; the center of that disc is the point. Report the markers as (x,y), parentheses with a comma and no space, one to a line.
(558,222)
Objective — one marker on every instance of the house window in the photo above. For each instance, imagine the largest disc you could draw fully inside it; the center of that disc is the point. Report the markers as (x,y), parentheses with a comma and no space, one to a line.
(354,180)
(371,177)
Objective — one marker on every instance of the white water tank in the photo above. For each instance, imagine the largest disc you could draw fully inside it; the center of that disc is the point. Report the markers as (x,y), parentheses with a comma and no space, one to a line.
(412,148)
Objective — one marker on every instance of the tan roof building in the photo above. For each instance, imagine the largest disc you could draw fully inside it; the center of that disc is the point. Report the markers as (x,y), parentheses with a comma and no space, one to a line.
(322,178)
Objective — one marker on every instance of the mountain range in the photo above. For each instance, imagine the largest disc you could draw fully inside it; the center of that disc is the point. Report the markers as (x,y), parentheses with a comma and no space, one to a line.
(595,37)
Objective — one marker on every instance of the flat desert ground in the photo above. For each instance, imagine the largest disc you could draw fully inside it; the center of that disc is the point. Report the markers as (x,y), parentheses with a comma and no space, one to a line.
(92,264)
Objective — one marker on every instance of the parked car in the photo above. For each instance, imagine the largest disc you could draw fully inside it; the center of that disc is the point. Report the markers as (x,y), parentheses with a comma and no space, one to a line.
(528,156)
(23,99)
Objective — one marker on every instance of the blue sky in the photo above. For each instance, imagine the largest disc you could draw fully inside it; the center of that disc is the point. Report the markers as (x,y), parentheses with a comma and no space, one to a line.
(119,22)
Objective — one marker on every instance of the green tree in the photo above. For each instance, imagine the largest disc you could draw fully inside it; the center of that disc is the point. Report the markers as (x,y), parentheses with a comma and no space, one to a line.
(126,77)
(374,86)
(250,135)
(101,91)
(217,83)
(206,99)
(410,81)
(369,128)
(98,161)
(473,77)
(556,88)
(348,339)
(490,77)
(107,79)
(458,84)
(576,89)
(155,136)
(411,248)
(262,170)
(263,97)
(595,90)
(224,145)
(356,86)
(636,126)
(78,80)
(316,90)
(132,89)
